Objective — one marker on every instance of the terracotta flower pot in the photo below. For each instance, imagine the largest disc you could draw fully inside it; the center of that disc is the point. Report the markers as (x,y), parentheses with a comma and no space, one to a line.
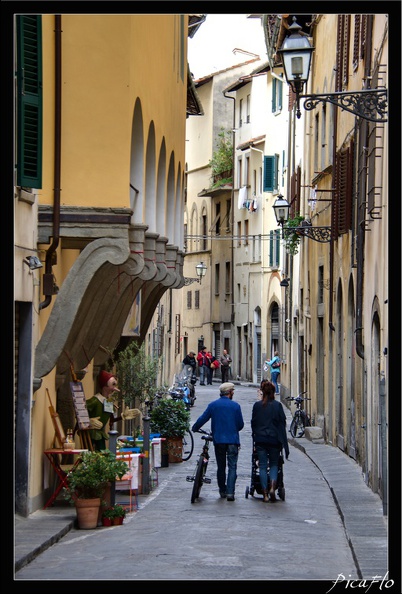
(118,521)
(106,521)
(87,513)
(175,449)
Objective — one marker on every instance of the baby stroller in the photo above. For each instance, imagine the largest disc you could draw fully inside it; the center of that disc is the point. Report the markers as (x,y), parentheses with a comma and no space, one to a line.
(255,483)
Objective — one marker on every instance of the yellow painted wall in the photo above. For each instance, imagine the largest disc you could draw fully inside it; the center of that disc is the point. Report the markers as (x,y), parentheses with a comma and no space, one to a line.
(107,62)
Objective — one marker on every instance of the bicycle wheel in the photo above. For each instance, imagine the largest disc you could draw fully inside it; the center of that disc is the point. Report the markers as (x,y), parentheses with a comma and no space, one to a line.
(198,479)
(297,425)
(188,446)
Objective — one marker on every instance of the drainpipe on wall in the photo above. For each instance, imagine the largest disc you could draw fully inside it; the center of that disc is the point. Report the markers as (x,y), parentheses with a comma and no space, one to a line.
(48,279)
(331,244)
(361,207)
(232,315)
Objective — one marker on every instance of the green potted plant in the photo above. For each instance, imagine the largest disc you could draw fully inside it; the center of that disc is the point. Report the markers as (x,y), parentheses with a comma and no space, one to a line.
(108,515)
(87,483)
(113,515)
(291,234)
(171,419)
(119,514)
(222,160)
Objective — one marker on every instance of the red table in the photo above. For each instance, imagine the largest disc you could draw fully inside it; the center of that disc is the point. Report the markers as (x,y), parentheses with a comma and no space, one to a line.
(53,456)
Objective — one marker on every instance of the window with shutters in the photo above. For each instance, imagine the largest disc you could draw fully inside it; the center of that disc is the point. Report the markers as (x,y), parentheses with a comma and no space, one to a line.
(248,109)
(177,335)
(271,166)
(197,299)
(294,193)
(274,248)
(189,299)
(29,101)
(342,207)
(277,94)
(363,36)
(247,170)
(204,231)
(218,218)
(342,54)
(217,279)
(256,239)
(356,42)
(227,278)
(239,172)
(228,211)
(320,284)
(240,113)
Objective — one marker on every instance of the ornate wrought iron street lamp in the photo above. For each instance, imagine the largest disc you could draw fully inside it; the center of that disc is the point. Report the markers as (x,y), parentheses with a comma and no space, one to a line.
(281,209)
(200,270)
(296,51)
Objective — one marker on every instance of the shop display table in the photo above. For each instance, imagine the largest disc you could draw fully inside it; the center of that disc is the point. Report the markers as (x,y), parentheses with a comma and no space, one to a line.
(54,455)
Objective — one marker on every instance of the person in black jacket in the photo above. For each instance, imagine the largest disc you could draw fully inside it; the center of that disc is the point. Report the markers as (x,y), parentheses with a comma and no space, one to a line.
(190,360)
(268,426)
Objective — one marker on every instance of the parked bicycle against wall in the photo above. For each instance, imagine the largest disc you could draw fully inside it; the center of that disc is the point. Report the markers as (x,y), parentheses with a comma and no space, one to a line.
(301,419)
(199,477)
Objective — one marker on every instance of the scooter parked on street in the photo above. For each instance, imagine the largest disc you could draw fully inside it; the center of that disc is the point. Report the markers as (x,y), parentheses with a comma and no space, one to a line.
(183,387)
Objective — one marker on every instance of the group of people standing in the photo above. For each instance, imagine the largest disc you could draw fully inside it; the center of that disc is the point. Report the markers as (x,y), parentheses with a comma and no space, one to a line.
(207,363)
(268,425)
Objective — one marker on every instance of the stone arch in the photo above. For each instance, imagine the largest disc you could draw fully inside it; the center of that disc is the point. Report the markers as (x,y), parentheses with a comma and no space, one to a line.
(161,201)
(137,164)
(149,210)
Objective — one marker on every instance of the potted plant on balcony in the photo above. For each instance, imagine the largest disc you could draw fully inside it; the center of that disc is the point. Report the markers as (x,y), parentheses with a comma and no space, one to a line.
(87,482)
(292,234)
(171,419)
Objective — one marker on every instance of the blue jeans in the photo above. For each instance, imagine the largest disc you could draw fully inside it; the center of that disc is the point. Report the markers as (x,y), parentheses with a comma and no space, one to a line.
(274,378)
(203,374)
(266,452)
(229,452)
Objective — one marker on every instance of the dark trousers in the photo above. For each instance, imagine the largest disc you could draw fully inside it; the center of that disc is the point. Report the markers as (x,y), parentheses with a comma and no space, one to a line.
(225,373)
(226,452)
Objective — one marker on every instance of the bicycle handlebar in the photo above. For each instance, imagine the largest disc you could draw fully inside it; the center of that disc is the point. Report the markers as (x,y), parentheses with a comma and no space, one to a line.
(298,397)
(209,433)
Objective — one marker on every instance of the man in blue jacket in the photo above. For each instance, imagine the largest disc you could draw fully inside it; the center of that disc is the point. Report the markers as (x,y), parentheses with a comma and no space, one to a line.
(226,422)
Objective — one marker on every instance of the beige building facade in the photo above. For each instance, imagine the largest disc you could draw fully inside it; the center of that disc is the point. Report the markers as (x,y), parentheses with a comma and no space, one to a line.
(101,107)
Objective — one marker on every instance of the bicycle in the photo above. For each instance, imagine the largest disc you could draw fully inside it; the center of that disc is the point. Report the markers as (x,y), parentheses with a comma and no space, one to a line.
(188,446)
(199,477)
(301,419)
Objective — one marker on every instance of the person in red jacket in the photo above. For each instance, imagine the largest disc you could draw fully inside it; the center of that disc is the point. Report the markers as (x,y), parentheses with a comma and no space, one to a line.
(204,363)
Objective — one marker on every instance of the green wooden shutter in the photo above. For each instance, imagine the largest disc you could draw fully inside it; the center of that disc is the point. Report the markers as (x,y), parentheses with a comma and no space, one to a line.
(271,248)
(269,173)
(280,94)
(274,83)
(29,99)
(276,170)
(277,246)
(274,247)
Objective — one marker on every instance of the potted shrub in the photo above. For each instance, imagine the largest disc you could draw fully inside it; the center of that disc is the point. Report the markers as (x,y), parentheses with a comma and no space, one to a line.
(119,514)
(171,419)
(87,482)
(108,516)
(113,515)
